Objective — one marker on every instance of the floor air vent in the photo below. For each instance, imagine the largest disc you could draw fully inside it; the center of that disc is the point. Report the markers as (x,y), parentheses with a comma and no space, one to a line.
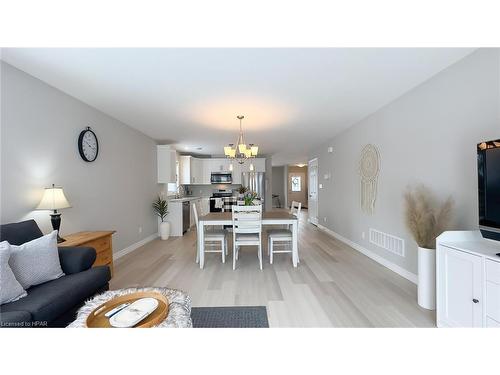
(390,243)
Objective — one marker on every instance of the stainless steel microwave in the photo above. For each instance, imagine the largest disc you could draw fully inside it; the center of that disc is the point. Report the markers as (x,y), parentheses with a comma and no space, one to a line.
(221,178)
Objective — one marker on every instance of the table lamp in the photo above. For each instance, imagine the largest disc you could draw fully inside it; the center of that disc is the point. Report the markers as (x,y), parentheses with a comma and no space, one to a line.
(54,199)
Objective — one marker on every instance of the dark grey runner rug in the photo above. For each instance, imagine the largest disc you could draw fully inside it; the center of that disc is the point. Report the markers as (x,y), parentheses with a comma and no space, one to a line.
(230,317)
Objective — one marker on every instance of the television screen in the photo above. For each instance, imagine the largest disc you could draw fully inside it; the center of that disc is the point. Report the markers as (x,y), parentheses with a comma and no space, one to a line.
(488,156)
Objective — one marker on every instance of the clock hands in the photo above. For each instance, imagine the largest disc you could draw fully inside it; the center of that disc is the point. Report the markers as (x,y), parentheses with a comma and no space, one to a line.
(88,144)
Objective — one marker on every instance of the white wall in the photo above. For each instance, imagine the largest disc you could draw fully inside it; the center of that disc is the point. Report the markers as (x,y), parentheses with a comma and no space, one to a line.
(428,136)
(40,127)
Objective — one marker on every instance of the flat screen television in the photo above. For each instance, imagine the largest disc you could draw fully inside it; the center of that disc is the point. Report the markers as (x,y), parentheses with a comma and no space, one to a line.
(488,161)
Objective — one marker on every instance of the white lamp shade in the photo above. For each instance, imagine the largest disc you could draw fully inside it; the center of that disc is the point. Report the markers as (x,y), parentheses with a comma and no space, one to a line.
(242,147)
(255,150)
(53,199)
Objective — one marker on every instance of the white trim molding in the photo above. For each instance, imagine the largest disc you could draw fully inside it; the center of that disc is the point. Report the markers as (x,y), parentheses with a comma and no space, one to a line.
(134,246)
(370,254)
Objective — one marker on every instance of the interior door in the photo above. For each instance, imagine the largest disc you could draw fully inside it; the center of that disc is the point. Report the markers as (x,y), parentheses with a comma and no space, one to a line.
(297,188)
(462,289)
(312,203)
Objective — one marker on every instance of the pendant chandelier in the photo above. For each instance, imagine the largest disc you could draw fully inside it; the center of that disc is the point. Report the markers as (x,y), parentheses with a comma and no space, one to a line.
(241,151)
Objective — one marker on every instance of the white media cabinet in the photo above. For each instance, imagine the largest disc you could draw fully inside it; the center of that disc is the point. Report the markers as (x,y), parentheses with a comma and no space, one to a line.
(467,280)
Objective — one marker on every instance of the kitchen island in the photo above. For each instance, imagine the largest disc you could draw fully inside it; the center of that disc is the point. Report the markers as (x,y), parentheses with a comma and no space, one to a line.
(180,213)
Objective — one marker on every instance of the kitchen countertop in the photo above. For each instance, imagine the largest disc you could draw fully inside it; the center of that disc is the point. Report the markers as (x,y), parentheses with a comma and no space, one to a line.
(184,199)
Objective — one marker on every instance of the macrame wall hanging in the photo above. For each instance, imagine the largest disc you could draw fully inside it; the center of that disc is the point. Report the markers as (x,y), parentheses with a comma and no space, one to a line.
(369,167)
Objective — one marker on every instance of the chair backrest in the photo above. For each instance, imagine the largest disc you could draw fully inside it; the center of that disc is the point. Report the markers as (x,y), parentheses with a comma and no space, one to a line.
(295,208)
(195,213)
(247,219)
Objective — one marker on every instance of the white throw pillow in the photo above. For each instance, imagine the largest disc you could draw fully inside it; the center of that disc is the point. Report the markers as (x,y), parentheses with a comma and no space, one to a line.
(37,261)
(10,289)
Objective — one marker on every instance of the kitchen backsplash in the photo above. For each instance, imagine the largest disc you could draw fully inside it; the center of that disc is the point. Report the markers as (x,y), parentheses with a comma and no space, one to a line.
(207,190)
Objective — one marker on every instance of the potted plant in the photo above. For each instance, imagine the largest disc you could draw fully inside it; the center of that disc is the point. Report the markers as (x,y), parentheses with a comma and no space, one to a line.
(160,207)
(426,219)
(249,197)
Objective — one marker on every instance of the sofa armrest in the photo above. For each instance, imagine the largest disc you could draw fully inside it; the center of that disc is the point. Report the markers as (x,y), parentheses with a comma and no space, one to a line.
(76,259)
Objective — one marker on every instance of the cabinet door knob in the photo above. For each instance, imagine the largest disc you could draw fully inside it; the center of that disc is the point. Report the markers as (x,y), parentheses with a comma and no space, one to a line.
(475,300)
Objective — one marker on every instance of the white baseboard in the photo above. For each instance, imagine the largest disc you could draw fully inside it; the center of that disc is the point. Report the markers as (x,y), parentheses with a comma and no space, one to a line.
(134,246)
(370,254)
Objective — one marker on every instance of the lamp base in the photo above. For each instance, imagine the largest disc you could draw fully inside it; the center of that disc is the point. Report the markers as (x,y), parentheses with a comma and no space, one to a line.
(55,219)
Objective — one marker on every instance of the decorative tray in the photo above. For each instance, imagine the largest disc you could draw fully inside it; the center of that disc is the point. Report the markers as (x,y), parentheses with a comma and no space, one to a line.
(97,318)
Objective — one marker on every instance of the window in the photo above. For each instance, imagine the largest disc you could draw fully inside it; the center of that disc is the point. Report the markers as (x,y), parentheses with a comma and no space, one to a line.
(296,185)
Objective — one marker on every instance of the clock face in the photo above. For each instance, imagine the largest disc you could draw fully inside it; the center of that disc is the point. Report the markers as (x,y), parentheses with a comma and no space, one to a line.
(88,145)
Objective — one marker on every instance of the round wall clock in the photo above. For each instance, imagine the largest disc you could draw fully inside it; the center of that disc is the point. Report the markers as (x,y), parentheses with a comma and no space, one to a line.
(88,146)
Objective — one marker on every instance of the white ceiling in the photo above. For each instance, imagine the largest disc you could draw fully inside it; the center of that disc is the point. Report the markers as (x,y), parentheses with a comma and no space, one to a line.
(292,99)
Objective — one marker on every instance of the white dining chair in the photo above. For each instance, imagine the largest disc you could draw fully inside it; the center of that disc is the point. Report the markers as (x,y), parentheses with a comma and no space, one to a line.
(282,237)
(295,208)
(215,240)
(247,230)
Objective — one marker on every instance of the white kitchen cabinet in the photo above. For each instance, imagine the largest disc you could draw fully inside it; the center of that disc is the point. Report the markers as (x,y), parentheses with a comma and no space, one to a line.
(206,165)
(185,170)
(166,164)
(219,165)
(191,170)
(236,173)
(258,163)
(467,280)
(196,171)
(174,217)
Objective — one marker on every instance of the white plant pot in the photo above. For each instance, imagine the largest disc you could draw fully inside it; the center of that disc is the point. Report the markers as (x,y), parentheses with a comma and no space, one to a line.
(427,278)
(164,230)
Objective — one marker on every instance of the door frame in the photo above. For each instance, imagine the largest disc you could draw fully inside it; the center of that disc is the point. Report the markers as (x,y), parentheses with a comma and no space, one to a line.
(315,220)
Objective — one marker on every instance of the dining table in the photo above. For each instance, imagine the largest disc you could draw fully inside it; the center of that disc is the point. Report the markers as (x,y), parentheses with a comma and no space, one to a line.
(268,218)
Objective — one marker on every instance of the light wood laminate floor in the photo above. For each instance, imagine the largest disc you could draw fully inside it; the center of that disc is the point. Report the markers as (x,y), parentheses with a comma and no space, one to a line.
(333,286)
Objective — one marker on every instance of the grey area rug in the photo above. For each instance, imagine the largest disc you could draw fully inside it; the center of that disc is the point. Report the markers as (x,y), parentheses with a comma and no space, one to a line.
(230,317)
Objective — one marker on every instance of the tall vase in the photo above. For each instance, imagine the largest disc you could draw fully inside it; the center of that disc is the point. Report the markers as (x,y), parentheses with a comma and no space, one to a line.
(427,278)
(164,230)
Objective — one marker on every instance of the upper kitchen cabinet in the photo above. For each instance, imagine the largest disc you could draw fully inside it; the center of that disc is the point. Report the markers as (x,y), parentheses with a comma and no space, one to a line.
(191,170)
(206,171)
(236,173)
(219,165)
(258,163)
(166,162)
(197,171)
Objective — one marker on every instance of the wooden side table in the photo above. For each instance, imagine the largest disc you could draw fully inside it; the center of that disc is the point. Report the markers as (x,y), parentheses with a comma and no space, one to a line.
(101,241)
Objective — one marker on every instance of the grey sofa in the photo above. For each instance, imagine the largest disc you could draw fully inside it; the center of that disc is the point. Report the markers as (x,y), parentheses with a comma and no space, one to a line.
(54,303)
